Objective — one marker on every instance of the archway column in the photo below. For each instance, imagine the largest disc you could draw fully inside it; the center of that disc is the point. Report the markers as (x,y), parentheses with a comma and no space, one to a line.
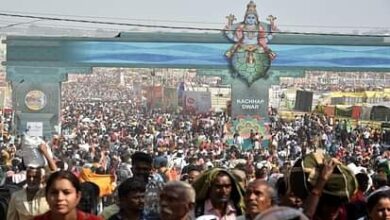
(36,97)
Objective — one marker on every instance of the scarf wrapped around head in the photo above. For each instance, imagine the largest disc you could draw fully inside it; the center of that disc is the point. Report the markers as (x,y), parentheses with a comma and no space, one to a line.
(203,183)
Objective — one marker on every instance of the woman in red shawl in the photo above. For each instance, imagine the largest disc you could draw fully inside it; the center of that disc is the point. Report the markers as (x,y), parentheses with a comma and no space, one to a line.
(63,195)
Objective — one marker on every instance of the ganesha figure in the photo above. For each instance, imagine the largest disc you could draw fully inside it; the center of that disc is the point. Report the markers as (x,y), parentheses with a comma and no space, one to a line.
(250,55)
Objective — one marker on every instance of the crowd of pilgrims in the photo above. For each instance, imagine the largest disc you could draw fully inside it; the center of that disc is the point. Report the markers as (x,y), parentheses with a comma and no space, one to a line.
(116,159)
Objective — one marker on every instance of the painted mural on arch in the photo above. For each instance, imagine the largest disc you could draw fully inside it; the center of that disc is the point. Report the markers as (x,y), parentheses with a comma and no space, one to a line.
(250,57)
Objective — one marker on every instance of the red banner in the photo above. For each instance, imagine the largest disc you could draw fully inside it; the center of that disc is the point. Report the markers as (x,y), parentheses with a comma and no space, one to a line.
(329,111)
(356,112)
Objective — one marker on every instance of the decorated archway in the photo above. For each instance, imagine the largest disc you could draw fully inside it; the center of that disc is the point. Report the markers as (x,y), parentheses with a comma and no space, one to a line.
(36,66)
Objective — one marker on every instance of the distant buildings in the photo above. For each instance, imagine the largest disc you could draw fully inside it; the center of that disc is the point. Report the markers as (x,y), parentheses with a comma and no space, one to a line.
(334,88)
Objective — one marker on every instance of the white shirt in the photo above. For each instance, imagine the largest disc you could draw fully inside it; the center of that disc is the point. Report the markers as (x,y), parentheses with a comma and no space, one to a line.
(20,209)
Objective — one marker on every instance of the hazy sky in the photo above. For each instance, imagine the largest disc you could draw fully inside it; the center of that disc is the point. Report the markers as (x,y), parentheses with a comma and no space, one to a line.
(292,15)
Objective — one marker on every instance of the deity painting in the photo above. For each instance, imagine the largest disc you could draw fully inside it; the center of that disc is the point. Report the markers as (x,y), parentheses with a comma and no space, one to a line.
(250,56)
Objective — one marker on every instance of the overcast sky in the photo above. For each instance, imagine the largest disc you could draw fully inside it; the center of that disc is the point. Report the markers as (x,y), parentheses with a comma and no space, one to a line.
(292,15)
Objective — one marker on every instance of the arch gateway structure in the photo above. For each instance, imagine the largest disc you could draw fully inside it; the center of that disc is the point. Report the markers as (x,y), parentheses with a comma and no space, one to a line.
(250,55)
(36,66)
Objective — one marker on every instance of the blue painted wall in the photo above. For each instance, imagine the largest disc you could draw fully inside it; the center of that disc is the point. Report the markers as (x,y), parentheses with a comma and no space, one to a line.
(212,54)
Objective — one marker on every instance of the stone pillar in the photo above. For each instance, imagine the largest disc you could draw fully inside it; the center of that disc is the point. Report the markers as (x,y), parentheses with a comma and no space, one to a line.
(250,108)
(36,97)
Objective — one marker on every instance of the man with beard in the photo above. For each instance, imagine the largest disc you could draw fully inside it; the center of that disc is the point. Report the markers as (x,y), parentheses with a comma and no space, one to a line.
(177,201)
(141,165)
(259,196)
(31,201)
(218,194)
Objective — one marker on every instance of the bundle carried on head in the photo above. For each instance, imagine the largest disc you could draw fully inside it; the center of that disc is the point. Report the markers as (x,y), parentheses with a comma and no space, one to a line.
(304,174)
(204,182)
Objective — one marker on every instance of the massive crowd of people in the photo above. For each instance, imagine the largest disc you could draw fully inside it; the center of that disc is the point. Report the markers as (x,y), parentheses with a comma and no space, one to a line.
(117,159)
